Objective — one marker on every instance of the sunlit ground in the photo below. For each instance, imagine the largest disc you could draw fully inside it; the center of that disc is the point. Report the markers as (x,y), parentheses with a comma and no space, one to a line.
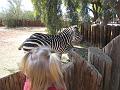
(10,40)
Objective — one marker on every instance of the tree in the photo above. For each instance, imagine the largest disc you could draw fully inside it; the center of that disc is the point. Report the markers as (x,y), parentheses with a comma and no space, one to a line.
(28,15)
(15,8)
(49,12)
(85,11)
(13,13)
(117,8)
(53,16)
(73,8)
(115,5)
(100,9)
(96,9)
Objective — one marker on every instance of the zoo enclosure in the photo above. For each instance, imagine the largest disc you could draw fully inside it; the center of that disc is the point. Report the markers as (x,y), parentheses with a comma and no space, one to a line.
(99,35)
(95,34)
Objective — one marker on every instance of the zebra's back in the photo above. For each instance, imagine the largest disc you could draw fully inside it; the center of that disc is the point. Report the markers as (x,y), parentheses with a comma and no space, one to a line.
(31,43)
(41,36)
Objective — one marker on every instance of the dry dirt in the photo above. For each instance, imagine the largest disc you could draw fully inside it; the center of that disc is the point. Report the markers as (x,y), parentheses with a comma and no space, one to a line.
(10,40)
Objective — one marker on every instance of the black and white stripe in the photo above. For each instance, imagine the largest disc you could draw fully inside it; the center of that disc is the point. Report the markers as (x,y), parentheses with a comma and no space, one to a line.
(60,43)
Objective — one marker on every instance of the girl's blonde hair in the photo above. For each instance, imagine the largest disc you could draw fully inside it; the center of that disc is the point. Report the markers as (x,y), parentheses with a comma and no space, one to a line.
(42,69)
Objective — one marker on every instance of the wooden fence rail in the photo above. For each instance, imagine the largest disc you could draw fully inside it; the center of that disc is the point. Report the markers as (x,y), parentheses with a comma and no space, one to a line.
(99,35)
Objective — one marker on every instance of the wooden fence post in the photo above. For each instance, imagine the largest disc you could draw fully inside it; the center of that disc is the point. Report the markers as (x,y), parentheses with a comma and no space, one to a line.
(100,35)
(69,75)
(113,50)
(86,76)
(12,82)
(89,33)
(102,63)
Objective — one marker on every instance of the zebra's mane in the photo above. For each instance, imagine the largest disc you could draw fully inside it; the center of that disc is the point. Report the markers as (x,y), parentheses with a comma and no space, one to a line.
(66,29)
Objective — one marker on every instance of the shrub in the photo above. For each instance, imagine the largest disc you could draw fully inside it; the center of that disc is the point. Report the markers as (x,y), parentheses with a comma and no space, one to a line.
(9,22)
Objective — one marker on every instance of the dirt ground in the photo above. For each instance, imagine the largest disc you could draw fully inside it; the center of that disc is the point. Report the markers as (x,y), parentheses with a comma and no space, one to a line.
(10,40)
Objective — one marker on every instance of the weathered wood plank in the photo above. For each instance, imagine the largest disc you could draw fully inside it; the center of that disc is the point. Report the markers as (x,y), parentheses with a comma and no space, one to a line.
(68,75)
(101,35)
(113,50)
(86,75)
(12,82)
(102,63)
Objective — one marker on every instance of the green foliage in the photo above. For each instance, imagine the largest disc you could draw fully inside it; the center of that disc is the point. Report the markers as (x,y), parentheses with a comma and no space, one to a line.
(73,8)
(49,12)
(10,22)
(13,13)
(53,16)
(15,8)
(109,12)
(103,9)
(39,9)
(28,15)
(84,11)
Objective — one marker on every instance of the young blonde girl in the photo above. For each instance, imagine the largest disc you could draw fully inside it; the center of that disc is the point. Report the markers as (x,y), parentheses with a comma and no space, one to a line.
(42,70)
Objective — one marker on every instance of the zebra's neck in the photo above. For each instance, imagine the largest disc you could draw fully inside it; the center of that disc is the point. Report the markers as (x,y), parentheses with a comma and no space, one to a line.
(61,42)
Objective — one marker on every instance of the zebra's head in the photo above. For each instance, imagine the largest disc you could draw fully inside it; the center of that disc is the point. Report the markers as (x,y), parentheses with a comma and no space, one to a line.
(76,36)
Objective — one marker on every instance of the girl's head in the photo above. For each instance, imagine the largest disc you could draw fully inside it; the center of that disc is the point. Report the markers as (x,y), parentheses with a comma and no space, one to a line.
(42,69)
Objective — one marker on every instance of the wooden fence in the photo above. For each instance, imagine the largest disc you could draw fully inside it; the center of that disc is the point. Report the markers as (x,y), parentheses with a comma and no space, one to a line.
(98,35)
(26,23)
(78,75)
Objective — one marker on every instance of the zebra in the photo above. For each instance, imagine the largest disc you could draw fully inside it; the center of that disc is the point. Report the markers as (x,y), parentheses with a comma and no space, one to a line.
(59,43)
